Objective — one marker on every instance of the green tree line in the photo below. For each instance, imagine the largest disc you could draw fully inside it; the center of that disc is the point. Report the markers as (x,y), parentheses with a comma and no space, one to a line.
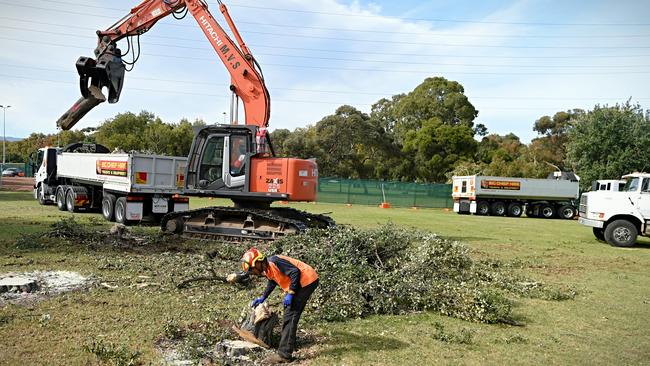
(142,132)
(426,135)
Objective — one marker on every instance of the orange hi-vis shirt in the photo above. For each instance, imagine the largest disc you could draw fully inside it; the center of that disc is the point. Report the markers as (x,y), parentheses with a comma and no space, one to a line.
(289,273)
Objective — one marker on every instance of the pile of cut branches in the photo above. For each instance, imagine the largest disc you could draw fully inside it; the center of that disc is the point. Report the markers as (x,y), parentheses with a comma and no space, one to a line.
(393,270)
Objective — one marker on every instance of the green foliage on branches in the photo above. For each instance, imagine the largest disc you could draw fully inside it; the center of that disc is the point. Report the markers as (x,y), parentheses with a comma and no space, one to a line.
(610,141)
(392,270)
(143,132)
(417,136)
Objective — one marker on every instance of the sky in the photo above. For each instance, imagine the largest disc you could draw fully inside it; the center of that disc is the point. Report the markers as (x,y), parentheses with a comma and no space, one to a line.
(517,60)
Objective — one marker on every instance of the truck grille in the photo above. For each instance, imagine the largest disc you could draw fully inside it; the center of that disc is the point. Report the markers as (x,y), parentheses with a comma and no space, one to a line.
(583,205)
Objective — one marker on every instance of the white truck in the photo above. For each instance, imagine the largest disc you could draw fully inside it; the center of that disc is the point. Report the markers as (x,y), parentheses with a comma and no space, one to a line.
(499,196)
(618,217)
(127,187)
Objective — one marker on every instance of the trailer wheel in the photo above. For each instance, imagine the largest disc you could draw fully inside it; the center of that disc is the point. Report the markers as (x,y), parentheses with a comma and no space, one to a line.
(567,212)
(547,211)
(515,209)
(108,207)
(60,199)
(599,233)
(482,208)
(120,210)
(498,208)
(69,200)
(621,233)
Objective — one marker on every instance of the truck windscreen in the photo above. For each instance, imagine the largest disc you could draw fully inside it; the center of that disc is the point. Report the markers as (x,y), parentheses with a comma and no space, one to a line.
(631,185)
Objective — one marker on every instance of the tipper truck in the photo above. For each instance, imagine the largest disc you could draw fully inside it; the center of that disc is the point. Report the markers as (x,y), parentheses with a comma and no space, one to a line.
(509,196)
(127,187)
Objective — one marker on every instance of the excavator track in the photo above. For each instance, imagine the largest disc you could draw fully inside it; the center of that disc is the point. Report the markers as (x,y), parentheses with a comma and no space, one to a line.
(232,223)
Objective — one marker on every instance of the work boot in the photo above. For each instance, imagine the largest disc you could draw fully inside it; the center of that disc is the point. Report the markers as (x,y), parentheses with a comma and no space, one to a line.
(275,359)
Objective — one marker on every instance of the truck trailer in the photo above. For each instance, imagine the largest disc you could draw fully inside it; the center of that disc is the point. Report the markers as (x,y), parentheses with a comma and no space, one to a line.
(509,196)
(127,187)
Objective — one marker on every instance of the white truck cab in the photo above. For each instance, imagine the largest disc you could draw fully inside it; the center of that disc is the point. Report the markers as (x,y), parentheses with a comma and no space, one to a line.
(618,217)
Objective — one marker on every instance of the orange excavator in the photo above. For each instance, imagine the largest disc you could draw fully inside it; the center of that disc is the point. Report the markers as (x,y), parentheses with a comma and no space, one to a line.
(233,161)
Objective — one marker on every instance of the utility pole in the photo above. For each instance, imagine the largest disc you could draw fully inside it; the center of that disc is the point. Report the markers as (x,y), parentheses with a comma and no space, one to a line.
(4,138)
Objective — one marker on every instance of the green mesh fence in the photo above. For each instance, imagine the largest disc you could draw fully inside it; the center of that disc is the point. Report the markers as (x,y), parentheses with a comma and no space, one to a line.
(398,194)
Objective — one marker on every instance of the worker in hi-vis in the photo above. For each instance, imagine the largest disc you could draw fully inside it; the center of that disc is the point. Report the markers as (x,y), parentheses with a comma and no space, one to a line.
(297,279)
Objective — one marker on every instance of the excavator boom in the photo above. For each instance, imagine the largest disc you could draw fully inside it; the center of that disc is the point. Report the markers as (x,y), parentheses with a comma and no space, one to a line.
(106,70)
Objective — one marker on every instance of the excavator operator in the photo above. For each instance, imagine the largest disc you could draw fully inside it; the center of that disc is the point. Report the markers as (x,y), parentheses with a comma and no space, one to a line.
(297,279)
(237,156)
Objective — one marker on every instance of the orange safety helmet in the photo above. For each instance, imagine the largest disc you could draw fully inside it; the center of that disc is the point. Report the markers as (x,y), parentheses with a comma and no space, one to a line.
(250,258)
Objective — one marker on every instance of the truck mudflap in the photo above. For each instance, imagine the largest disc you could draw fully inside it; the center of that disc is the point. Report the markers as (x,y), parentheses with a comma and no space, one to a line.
(590,222)
(242,223)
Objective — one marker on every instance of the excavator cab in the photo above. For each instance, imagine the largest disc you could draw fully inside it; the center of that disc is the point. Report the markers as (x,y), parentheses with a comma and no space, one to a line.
(220,158)
(223,161)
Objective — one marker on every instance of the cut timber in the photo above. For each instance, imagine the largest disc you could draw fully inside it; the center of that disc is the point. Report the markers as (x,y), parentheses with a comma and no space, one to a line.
(250,337)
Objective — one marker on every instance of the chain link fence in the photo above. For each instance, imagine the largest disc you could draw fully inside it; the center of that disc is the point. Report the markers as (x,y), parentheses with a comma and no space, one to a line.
(374,192)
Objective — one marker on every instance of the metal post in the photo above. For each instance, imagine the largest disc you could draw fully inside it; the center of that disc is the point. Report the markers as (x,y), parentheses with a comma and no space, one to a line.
(4,139)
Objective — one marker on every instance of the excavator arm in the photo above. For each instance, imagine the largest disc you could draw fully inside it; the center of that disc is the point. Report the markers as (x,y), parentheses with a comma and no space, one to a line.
(107,69)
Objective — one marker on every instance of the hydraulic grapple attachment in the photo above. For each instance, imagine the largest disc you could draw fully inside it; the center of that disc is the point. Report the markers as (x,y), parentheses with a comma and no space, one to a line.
(107,71)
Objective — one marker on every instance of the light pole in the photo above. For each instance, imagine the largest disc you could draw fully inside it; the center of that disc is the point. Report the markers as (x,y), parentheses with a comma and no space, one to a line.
(4,138)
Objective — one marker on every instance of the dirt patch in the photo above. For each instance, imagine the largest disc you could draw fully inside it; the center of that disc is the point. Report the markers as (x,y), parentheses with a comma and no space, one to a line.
(46,284)
(18,184)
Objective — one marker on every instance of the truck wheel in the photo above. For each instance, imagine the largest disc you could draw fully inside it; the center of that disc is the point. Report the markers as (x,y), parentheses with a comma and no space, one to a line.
(515,209)
(60,199)
(547,211)
(621,233)
(599,233)
(69,201)
(40,195)
(567,212)
(108,207)
(482,208)
(498,208)
(120,210)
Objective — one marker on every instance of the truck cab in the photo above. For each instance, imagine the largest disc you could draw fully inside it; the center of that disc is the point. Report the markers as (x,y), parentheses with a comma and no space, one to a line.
(619,217)
(45,179)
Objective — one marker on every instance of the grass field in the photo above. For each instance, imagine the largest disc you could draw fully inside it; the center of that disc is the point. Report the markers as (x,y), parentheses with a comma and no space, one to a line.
(606,323)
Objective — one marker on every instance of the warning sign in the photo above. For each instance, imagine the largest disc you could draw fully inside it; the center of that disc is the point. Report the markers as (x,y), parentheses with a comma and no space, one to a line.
(114,168)
(508,185)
